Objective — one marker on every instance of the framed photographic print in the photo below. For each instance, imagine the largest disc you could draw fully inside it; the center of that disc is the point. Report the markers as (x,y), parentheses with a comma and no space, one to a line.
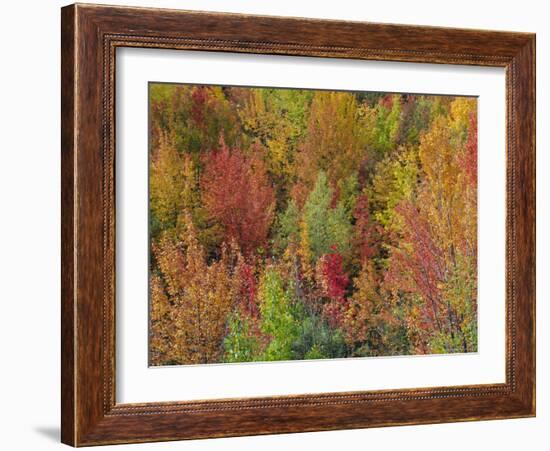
(279,225)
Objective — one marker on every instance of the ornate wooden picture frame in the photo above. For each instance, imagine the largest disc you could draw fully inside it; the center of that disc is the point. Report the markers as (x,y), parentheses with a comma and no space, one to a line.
(90,36)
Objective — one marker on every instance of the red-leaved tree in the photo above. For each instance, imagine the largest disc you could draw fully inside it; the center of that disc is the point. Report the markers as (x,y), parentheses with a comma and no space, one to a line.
(420,266)
(238,194)
(334,282)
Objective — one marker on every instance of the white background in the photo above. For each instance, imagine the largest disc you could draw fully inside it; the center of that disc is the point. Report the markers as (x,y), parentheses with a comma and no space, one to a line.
(138,383)
(29,183)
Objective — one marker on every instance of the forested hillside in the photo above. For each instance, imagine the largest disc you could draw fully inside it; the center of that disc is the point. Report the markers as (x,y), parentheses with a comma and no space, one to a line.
(298,224)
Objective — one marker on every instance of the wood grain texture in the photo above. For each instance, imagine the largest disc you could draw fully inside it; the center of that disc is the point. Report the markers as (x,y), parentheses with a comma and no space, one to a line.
(90,36)
(68,400)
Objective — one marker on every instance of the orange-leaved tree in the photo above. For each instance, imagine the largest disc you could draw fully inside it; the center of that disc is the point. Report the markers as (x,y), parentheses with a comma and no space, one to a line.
(434,261)
(191,300)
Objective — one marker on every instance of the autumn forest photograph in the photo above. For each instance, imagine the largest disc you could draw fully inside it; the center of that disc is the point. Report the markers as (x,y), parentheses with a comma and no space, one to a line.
(297,224)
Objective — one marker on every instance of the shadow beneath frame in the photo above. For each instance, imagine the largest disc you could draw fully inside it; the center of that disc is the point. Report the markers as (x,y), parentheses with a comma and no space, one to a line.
(52,433)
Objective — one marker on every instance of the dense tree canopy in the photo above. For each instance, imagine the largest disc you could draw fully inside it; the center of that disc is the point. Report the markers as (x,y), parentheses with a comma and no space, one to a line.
(296,224)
